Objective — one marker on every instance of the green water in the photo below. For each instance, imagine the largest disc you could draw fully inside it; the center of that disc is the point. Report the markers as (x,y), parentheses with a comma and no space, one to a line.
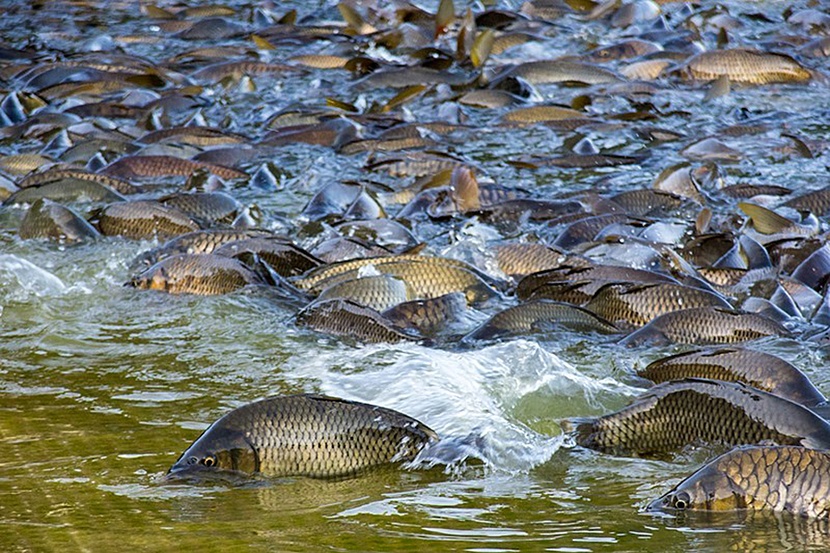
(102,387)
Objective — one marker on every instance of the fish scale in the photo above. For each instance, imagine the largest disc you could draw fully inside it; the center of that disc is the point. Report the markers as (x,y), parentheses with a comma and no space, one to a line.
(307,435)
(427,316)
(681,413)
(639,304)
(427,277)
(378,292)
(203,274)
(773,478)
(347,318)
(211,207)
(537,314)
(144,219)
(746,66)
(705,325)
(47,219)
(758,369)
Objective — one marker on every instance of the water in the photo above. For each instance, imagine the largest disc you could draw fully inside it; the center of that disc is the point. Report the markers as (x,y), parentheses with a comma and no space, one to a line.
(102,387)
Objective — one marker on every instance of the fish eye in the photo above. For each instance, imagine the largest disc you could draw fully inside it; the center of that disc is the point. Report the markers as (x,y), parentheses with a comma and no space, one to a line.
(681,500)
(209,461)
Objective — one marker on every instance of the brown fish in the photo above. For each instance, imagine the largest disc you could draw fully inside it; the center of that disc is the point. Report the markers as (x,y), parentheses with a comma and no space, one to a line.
(426,277)
(705,325)
(758,369)
(428,316)
(637,304)
(143,220)
(208,208)
(47,219)
(200,241)
(539,315)
(202,274)
(68,176)
(137,167)
(346,318)
(283,256)
(305,435)
(677,414)
(380,292)
(778,479)
(524,259)
(746,66)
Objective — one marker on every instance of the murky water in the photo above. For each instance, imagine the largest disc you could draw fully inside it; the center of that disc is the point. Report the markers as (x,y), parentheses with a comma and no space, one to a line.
(102,386)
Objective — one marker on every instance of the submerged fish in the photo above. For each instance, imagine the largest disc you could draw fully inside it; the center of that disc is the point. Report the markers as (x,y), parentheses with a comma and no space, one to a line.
(677,414)
(306,435)
(758,369)
(759,478)
(203,274)
(705,325)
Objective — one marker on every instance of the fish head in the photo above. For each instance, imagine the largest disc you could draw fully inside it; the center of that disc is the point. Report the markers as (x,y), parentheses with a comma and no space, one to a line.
(706,490)
(219,448)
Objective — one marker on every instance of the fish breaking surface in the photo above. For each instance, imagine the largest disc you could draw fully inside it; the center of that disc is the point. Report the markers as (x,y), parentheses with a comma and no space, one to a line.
(500,219)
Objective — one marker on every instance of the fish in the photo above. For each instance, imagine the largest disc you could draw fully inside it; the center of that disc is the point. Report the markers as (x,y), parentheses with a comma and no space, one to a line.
(562,71)
(71,190)
(637,304)
(380,292)
(705,325)
(694,411)
(47,219)
(537,114)
(758,369)
(777,479)
(307,435)
(536,315)
(150,166)
(746,66)
(69,175)
(648,202)
(193,136)
(428,316)
(283,256)
(346,318)
(586,229)
(816,202)
(594,277)
(427,277)
(201,274)
(143,220)
(207,208)
(520,260)
(199,241)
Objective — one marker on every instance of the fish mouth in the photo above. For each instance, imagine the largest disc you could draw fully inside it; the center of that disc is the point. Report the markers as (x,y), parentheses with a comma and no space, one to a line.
(659,505)
(200,474)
